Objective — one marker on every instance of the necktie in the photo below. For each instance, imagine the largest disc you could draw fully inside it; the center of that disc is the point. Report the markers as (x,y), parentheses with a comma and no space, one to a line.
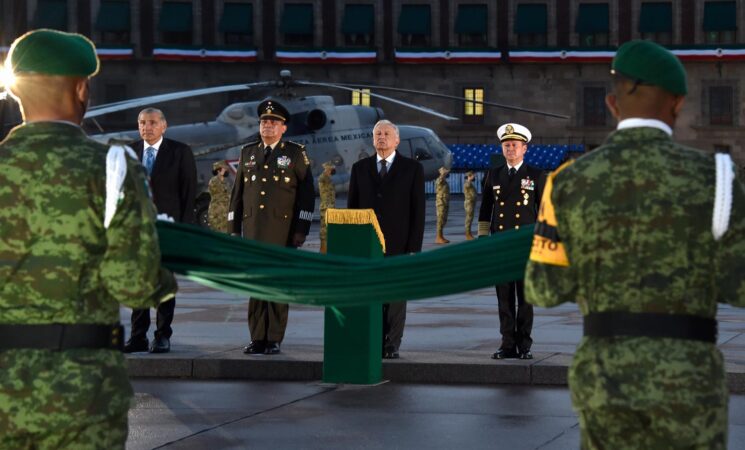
(383,168)
(512,172)
(267,151)
(149,159)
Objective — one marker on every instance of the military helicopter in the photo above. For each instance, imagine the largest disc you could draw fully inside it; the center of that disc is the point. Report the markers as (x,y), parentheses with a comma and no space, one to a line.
(341,134)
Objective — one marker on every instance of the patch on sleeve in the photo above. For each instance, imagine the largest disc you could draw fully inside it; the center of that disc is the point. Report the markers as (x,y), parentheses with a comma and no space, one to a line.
(305,158)
(547,245)
(230,215)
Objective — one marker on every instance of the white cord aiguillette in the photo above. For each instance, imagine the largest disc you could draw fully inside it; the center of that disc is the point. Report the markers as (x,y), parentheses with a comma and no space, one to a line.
(723,197)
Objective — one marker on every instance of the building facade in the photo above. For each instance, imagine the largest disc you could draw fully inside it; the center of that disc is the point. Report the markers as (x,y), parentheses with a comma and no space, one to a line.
(542,55)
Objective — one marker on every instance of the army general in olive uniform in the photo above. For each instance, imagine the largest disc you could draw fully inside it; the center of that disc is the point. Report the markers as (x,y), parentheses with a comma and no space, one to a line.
(272,201)
(646,236)
(77,238)
(510,199)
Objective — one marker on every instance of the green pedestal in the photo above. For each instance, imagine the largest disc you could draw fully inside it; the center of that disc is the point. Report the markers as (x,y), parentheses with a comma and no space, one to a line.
(352,349)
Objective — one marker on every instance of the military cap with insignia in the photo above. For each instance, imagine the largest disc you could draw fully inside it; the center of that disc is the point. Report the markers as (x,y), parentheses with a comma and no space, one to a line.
(271,109)
(648,63)
(513,132)
(52,52)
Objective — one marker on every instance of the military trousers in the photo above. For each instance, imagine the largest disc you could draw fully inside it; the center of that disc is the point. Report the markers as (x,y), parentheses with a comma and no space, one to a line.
(469,216)
(515,317)
(442,203)
(663,426)
(394,320)
(267,321)
(163,320)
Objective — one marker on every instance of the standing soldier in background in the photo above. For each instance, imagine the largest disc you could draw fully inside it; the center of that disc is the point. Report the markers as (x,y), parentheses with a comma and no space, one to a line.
(442,201)
(219,189)
(646,236)
(510,198)
(469,201)
(272,201)
(77,238)
(327,193)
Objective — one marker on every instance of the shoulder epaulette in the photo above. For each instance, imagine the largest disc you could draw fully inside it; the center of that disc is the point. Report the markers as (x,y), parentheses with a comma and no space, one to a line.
(256,142)
(302,146)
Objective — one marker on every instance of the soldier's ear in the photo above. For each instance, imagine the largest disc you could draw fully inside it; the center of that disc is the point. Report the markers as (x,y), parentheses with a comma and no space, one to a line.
(611,101)
(678,105)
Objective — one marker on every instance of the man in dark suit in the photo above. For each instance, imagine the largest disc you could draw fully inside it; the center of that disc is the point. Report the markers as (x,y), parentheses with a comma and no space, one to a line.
(393,186)
(511,196)
(173,180)
(272,201)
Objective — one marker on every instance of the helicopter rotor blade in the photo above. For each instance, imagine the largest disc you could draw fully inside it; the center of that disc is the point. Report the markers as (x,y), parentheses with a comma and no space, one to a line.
(453,97)
(382,97)
(100,110)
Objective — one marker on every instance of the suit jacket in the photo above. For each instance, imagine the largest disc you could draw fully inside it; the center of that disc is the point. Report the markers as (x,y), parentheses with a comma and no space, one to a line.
(398,200)
(508,204)
(173,180)
(272,199)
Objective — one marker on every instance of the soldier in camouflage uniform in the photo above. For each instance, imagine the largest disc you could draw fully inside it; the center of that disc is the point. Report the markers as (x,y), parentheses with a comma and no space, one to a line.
(219,189)
(442,201)
(469,201)
(77,238)
(639,234)
(327,193)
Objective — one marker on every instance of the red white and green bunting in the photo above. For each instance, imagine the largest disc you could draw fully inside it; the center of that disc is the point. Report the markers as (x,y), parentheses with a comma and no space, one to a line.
(598,56)
(448,56)
(324,56)
(717,54)
(114,53)
(203,54)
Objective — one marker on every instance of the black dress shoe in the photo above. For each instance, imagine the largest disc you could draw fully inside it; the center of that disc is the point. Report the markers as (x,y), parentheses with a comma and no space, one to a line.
(390,353)
(160,344)
(504,354)
(526,355)
(138,345)
(255,348)
(272,348)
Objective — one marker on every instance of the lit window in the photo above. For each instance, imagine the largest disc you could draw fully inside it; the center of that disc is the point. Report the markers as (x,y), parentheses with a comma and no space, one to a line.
(475,95)
(361,97)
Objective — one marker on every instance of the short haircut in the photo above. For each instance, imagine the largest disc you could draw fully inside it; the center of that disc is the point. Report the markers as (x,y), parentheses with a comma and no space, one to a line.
(386,122)
(150,110)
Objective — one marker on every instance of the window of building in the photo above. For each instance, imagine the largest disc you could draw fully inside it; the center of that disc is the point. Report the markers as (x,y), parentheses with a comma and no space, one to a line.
(721,105)
(113,22)
(531,25)
(473,112)
(50,14)
(720,22)
(656,22)
(176,23)
(592,24)
(414,25)
(358,25)
(471,25)
(593,106)
(297,24)
(237,24)
(361,97)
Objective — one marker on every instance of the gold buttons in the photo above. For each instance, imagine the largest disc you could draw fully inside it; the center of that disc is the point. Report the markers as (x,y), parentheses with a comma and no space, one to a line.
(517,216)
(501,214)
(517,227)
(518,203)
(264,180)
(501,227)
(263,193)
(265,166)
(261,206)
(501,203)
(245,180)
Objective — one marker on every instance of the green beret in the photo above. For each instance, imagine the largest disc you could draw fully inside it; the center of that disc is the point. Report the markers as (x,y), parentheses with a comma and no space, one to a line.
(51,52)
(652,64)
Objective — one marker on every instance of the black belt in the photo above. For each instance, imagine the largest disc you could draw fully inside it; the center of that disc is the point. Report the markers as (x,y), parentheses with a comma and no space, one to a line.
(61,336)
(654,325)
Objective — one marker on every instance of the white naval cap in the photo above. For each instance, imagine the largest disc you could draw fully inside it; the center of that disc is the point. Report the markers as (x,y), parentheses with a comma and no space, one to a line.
(513,131)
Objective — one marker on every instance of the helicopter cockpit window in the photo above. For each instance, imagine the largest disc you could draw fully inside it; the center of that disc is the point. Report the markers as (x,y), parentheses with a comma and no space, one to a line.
(421,151)
(236,113)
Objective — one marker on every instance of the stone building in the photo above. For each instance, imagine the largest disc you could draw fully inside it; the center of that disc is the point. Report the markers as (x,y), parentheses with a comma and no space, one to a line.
(548,55)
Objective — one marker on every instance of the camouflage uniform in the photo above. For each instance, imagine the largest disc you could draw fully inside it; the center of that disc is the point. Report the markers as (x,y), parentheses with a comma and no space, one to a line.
(328,199)
(469,202)
(442,189)
(634,218)
(217,213)
(60,265)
